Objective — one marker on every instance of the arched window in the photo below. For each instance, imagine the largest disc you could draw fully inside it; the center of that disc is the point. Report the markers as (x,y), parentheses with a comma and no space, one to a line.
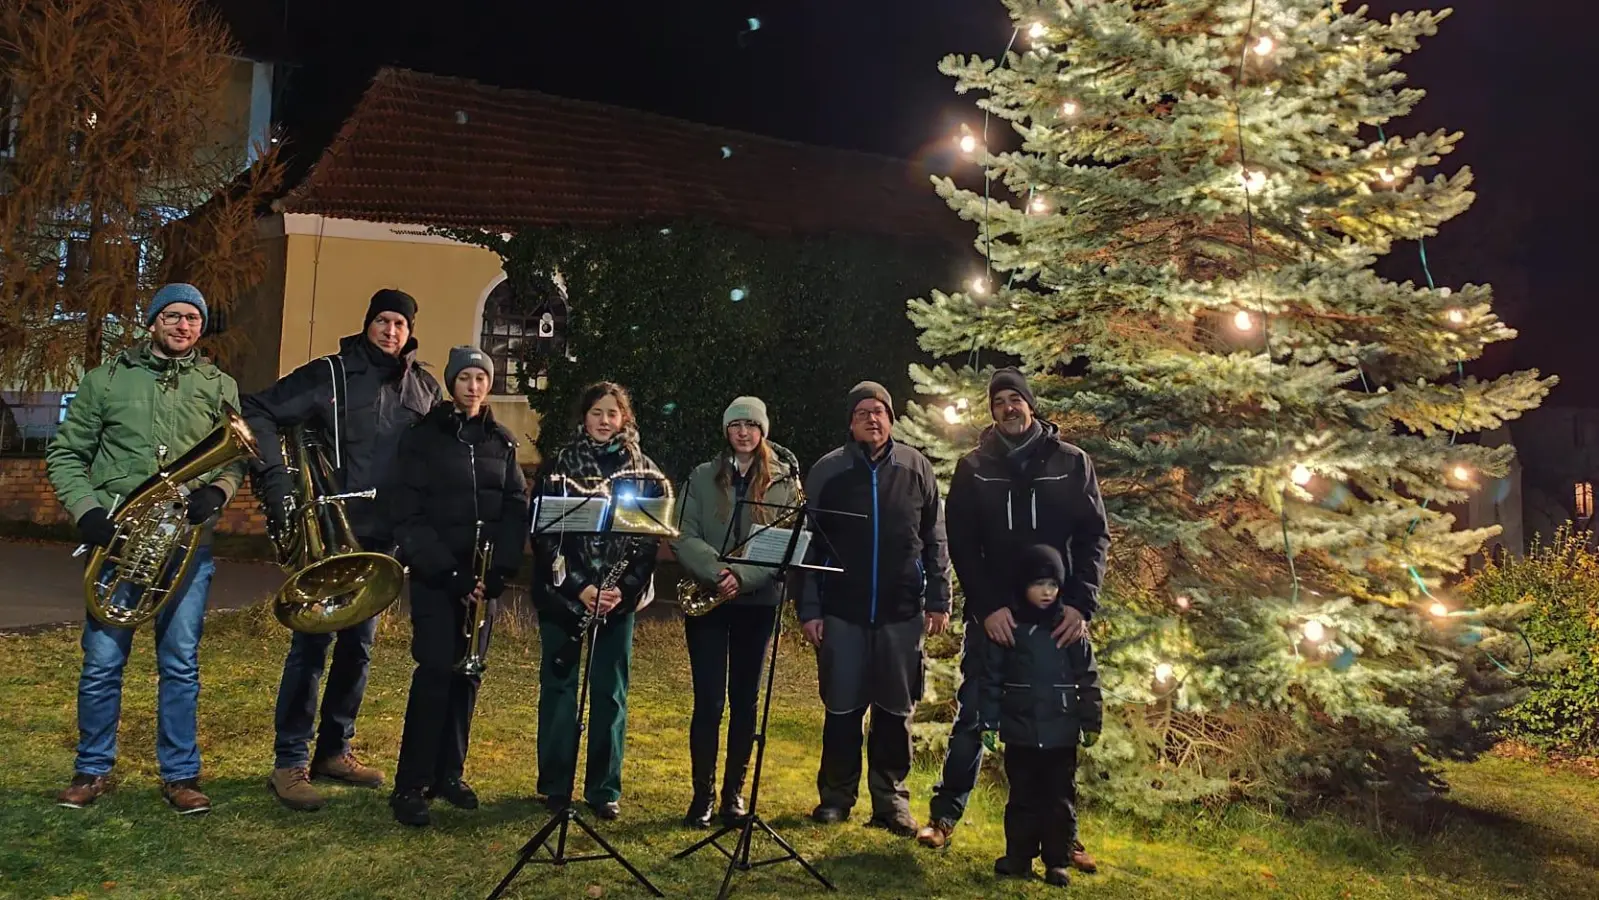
(521,334)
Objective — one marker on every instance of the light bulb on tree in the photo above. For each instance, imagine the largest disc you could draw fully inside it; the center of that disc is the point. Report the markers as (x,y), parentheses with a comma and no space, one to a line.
(1069,108)
(1388,176)
(968,144)
(1315,632)
(1456,315)
(952,415)
(1460,472)
(1254,180)
(1264,46)
(1164,673)
(979,286)
(961,404)
(1183,602)
(1038,205)
(1243,321)
(1439,610)
(1036,31)
(1301,475)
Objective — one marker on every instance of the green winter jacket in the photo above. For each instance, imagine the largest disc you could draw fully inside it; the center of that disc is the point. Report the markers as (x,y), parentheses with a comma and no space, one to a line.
(124,413)
(703,513)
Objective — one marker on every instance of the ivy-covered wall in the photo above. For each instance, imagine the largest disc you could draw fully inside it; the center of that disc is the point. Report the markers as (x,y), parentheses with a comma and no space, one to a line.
(691,315)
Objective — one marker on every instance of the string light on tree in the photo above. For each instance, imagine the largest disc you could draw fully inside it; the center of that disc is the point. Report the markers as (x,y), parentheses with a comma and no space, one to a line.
(1254,180)
(979,286)
(1164,673)
(1183,603)
(1037,31)
(1460,472)
(1301,474)
(1264,46)
(1314,631)
(1069,108)
(1243,321)
(1388,176)
(1456,315)
(952,415)
(1439,610)
(1038,205)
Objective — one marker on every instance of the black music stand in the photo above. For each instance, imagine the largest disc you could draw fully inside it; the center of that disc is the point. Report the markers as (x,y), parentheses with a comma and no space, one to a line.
(738,859)
(561,821)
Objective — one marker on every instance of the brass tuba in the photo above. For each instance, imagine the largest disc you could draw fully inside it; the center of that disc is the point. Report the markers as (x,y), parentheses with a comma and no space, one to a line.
(332,583)
(129,581)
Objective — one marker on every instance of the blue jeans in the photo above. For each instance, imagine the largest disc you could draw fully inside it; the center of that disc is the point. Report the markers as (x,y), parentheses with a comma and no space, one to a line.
(341,702)
(964,759)
(177,655)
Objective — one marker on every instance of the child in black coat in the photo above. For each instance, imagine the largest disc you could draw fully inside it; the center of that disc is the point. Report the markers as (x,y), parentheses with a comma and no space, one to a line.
(1044,700)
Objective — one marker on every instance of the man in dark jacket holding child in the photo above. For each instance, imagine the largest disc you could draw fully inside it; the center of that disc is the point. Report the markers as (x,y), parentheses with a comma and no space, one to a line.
(1022,486)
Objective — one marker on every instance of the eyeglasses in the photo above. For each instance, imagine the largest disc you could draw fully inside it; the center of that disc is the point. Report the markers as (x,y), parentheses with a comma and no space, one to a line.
(866,414)
(173,318)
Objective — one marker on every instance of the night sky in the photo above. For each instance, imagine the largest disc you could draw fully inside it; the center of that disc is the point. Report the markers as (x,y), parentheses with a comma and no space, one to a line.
(861,74)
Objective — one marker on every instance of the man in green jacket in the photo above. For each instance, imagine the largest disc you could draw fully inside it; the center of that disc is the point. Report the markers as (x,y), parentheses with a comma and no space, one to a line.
(145,407)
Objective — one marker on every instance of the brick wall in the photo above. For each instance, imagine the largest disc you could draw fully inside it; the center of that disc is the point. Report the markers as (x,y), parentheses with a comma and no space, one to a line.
(26,496)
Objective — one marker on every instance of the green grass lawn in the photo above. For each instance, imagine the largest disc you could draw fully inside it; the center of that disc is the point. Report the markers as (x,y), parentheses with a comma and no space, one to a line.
(1510,828)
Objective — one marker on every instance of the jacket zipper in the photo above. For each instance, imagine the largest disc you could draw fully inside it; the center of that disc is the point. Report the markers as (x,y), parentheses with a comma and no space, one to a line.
(872,615)
(1033,494)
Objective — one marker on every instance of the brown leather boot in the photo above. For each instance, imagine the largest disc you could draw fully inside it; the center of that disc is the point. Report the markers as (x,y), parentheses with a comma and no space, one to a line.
(83,790)
(293,789)
(347,769)
(936,834)
(185,797)
(1081,861)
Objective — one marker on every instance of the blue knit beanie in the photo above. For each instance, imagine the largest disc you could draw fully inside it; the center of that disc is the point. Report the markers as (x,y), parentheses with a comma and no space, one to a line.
(177,292)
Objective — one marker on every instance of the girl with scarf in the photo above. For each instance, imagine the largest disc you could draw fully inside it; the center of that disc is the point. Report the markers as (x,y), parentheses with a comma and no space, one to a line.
(727,645)
(604,456)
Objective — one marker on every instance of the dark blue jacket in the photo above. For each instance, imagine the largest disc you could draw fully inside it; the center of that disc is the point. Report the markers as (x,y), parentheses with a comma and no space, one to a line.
(1040,695)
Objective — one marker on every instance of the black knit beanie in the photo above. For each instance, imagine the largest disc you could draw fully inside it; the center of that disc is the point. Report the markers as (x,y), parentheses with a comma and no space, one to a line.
(1011,378)
(868,390)
(391,300)
(1036,563)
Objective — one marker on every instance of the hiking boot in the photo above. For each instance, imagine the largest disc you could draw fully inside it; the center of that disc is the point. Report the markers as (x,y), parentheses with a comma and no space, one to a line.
(1059,877)
(1006,867)
(699,811)
(605,811)
(185,797)
(347,769)
(455,792)
(829,815)
(83,790)
(936,834)
(898,823)
(1081,861)
(734,811)
(293,789)
(410,807)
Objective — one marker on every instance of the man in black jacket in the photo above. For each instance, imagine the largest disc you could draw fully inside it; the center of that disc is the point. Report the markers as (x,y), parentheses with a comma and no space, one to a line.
(869,621)
(360,400)
(1023,485)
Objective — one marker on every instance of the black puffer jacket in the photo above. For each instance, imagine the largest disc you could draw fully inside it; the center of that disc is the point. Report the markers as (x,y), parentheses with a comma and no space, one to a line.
(1002,502)
(451,474)
(1040,695)
(892,552)
(380,396)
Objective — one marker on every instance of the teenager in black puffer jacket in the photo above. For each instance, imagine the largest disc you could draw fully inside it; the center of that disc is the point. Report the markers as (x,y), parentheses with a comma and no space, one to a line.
(457,483)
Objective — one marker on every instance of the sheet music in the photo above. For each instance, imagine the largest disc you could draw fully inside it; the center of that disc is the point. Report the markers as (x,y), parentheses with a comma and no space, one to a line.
(644,515)
(579,514)
(771,546)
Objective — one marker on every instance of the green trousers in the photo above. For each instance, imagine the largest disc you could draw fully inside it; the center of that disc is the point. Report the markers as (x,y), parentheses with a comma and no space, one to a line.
(607,725)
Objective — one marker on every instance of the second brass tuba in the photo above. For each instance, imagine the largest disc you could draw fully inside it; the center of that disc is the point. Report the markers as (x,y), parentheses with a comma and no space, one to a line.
(332,582)
(128,582)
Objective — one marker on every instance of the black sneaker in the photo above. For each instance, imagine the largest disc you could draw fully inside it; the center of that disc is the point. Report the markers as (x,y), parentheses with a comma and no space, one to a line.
(1005,867)
(457,793)
(410,807)
(898,823)
(829,815)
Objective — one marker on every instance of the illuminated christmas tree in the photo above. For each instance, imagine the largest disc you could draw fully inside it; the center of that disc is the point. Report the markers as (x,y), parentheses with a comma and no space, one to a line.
(1180,253)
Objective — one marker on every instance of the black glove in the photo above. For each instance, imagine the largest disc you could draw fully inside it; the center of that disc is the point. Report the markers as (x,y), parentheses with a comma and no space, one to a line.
(460,584)
(95,528)
(205,503)
(494,584)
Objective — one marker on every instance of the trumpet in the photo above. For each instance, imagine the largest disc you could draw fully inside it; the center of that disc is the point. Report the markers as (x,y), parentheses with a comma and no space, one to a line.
(480,611)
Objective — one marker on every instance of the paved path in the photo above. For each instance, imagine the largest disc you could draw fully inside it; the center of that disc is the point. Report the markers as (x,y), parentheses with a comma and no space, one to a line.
(41,584)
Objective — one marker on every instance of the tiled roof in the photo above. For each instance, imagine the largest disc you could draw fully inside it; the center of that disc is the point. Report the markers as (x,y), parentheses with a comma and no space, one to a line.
(429,150)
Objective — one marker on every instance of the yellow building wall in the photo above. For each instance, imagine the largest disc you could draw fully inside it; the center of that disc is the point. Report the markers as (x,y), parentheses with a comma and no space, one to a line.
(329,280)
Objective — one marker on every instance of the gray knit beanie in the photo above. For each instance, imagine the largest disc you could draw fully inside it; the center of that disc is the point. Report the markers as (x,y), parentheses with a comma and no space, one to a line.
(466,356)
(869,390)
(748,409)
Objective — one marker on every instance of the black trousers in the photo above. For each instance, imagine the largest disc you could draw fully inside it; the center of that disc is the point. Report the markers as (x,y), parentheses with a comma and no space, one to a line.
(726,655)
(888,760)
(438,714)
(1041,814)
